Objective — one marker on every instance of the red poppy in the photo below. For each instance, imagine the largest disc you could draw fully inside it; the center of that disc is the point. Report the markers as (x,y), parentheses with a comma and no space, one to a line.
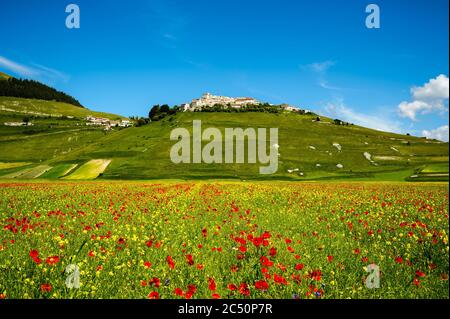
(315,275)
(232,287)
(34,253)
(244,290)
(299,266)
(330,258)
(257,241)
(398,260)
(46,288)
(52,260)
(242,249)
(212,284)
(121,241)
(155,281)
(279,279)
(170,262)
(204,232)
(91,254)
(191,289)
(149,243)
(216,296)
(416,282)
(153,295)
(147,264)
(188,294)
(199,266)
(179,292)
(272,251)
(420,274)
(190,260)
(266,261)
(261,285)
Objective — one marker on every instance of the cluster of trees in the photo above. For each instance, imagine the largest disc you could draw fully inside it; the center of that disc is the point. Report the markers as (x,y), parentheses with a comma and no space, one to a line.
(158,112)
(339,122)
(30,89)
(263,107)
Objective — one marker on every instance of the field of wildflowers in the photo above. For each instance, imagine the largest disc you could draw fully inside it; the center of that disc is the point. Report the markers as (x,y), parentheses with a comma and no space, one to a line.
(223,240)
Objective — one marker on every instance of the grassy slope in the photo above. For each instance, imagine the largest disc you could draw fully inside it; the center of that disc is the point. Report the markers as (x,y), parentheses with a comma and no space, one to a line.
(50,136)
(4,76)
(143,152)
(29,107)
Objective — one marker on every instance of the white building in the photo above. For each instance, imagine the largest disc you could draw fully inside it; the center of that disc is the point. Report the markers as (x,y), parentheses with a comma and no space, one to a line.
(208,100)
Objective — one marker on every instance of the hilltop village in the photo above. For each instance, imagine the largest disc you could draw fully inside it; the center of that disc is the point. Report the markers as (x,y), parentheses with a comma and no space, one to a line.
(210,100)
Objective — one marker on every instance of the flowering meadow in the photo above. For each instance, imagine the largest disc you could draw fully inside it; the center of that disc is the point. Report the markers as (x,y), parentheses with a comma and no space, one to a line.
(223,240)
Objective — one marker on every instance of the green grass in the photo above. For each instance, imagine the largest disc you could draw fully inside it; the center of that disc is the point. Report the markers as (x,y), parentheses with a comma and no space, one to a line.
(4,76)
(436,168)
(59,171)
(29,173)
(143,152)
(12,165)
(90,170)
(33,107)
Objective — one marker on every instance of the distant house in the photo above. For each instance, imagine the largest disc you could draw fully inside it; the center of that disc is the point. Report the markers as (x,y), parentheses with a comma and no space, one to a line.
(18,124)
(100,121)
(125,123)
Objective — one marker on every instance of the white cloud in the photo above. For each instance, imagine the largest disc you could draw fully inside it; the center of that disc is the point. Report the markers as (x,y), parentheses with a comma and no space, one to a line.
(435,89)
(339,110)
(431,97)
(16,67)
(35,71)
(441,133)
(321,67)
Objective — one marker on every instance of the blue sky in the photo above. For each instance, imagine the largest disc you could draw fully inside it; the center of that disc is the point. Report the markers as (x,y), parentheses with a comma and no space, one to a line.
(318,55)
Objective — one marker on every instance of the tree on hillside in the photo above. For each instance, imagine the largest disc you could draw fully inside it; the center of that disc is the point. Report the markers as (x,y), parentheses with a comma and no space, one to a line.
(164,109)
(154,111)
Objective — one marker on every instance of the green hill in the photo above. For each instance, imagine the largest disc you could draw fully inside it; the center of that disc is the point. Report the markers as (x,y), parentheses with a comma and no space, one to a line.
(4,76)
(31,89)
(11,106)
(306,151)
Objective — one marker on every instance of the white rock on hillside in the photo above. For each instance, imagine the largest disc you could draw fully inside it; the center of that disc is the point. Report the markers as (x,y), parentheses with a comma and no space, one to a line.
(340,166)
(338,146)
